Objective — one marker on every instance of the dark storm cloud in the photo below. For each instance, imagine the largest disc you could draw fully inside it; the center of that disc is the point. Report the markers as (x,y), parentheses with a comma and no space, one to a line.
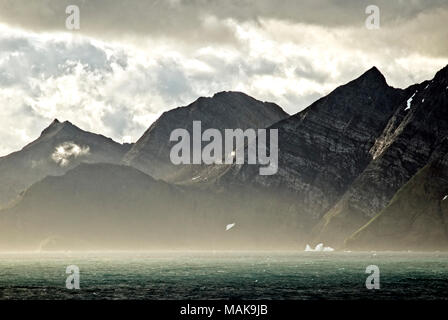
(188,20)
(165,16)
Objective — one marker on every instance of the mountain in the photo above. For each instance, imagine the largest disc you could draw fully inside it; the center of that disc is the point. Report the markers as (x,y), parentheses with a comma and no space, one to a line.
(323,149)
(412,138)
(89,205)
(364,166)
(60,147)
(416,218)
(109,206)
(225,110)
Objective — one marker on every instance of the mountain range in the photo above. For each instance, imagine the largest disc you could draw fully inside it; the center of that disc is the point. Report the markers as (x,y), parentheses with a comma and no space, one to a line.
(362,168)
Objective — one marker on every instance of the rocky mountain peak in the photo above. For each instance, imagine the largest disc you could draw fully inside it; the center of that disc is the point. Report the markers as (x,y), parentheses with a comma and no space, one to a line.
(56,126)
(412,138)
(442,75)
(223,95)
(227,102)
(224,110)
(372,77)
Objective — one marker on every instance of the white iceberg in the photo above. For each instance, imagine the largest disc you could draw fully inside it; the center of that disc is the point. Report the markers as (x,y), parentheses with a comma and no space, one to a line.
(230,226)
(320,247)
(444,198)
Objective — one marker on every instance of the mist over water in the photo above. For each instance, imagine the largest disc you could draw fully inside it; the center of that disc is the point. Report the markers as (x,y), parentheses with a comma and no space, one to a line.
(225,275)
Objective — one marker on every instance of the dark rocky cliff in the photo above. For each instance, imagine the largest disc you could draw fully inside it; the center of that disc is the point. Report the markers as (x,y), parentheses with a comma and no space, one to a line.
(412,139)
(324,148)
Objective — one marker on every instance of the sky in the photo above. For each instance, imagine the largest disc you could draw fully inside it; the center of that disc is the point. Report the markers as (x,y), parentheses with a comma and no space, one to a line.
(132,60)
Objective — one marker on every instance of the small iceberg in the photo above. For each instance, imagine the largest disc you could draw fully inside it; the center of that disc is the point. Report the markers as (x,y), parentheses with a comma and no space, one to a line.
(230,226)
(320,247)
(444,198)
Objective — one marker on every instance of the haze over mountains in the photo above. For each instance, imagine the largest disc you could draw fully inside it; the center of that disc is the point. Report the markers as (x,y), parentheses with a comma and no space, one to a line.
(363,167)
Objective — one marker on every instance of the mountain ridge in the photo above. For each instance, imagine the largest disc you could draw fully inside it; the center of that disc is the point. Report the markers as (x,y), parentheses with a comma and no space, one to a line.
(343,162)
(324,147)
(411,140)
(224,110)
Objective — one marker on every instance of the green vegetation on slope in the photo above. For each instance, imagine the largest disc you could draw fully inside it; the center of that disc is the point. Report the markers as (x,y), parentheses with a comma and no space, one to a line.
(416,218)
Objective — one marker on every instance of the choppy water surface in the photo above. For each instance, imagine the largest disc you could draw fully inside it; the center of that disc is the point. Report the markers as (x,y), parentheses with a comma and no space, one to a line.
(229,275)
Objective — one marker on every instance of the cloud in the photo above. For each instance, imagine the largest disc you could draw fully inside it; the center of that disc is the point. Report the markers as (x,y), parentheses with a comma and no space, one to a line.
(199,22)
(133,60)
(66,152)
(173,16)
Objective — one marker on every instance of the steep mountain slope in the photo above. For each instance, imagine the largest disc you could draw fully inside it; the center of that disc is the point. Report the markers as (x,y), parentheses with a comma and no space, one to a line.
(60,147)
(412,139)
(225,110)
(416,218)
(325,147)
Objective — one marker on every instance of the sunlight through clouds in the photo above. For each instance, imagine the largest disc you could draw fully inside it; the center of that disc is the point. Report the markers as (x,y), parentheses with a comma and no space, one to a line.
(118,83)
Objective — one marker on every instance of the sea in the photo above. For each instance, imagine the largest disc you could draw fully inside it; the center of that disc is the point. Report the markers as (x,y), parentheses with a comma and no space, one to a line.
(225,275)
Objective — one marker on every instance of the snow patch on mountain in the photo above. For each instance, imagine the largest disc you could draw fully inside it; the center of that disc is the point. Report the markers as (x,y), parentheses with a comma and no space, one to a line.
(409,102)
